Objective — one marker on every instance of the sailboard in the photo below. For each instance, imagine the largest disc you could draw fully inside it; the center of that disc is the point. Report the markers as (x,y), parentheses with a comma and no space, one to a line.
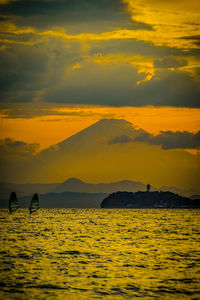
(34,206)
(13,203)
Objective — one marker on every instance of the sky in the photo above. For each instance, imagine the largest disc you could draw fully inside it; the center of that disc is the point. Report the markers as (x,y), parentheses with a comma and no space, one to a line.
(65,65)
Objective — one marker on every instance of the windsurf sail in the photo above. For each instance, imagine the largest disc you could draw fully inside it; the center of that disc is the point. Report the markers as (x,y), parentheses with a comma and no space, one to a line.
(34,204)
(13,203)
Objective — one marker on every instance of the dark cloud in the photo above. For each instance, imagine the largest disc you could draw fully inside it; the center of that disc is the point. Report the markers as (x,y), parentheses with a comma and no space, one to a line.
(45,7)
(31,110)
(25,71)
(166,139)
(169,88)
(191,37)
(123,139)
(44,72)
(16,158)
(97,84)
(172,140)
(22,72)
(170,62)
(116,85)
(132,47)
(76,16)
(12,149)
(195,38)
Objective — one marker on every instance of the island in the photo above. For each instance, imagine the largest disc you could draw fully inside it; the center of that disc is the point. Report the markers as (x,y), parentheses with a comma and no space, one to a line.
(147,199)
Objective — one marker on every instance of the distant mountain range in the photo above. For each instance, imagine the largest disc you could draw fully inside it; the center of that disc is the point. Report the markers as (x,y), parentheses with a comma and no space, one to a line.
(70,185)
(75,185)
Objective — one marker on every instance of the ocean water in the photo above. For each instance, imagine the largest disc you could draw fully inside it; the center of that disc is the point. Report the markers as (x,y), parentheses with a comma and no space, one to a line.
(100,254)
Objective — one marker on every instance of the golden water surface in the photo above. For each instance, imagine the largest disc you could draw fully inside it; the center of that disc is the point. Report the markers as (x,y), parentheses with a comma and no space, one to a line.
(100,254)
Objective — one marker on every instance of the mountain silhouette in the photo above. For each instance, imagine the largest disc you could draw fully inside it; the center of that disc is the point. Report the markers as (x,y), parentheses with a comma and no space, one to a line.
(70,185)
(90,150)
(75,185)
(108,151)
(99,134)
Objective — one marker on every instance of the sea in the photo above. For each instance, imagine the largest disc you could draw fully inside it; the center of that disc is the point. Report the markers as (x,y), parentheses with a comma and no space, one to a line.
(100,254)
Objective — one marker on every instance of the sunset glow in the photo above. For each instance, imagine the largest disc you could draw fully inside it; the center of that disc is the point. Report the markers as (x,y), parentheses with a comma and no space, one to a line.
(67,65)
(64,121)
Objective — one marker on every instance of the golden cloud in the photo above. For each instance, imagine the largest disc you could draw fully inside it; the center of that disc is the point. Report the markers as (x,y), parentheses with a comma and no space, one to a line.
(172,21)
(171,27)
(141,63)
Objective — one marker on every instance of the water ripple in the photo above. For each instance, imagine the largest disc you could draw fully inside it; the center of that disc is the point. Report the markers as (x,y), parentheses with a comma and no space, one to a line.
(100,254)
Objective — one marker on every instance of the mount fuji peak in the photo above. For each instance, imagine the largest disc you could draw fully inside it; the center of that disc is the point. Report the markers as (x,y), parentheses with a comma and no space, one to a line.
(98,143)
(108,151)
(105,131)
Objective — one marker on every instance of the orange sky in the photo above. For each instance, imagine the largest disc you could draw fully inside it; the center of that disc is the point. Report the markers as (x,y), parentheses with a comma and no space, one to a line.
(136,60)
(66,121)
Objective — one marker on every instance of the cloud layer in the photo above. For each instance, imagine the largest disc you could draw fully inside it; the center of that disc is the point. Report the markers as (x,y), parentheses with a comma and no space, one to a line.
(166,139)
(115,53)
(12,150)
(172,140)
